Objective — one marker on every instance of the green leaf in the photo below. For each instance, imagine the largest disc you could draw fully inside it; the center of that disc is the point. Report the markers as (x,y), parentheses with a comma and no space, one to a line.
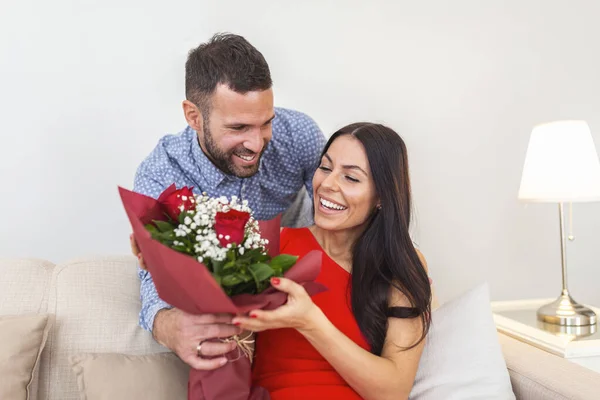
(164,226)
(217,267)
(261,272)
(229,265)
(165,236)
(231,253)
(253,256)
(231,280)
(151,228)
(244,258)
(217,278)
(244,276)
(283,262)
(262,258)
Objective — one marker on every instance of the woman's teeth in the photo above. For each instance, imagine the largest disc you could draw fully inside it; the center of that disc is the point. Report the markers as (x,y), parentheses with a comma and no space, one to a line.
(331,205)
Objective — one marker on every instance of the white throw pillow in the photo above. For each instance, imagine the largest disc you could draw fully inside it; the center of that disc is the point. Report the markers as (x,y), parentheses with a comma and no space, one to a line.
(462,358)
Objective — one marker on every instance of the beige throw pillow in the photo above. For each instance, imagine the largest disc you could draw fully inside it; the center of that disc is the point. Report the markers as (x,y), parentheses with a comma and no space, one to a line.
(111,376)
(22,339)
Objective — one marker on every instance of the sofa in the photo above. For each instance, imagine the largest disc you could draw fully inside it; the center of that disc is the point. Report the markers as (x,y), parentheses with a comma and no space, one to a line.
(92,309)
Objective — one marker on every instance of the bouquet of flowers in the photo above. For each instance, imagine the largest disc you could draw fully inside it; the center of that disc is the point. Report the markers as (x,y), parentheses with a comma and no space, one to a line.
(209,255)
(221,234)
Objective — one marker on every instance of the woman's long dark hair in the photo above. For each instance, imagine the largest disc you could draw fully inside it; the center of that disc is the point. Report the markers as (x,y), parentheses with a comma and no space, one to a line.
(384,256)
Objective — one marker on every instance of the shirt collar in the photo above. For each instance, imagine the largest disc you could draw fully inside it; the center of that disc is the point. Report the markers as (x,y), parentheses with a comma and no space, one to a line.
(211,174)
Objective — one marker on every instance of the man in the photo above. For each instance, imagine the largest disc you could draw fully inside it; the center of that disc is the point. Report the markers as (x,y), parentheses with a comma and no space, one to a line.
(236,143)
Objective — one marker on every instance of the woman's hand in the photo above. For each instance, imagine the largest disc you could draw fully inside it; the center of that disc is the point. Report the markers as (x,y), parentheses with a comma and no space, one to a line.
(299,312)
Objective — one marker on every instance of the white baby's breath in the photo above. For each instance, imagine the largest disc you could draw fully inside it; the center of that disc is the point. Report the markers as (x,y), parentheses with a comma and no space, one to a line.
(199,228)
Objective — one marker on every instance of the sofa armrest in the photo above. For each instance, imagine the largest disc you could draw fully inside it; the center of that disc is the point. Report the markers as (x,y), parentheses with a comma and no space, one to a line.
(536,374)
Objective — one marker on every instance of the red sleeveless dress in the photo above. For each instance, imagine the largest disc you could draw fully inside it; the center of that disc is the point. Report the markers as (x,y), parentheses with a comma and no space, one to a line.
(286,364)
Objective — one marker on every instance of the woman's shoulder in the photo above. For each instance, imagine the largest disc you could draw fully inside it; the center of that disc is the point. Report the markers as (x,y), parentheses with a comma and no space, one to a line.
(294,237)
(293,233)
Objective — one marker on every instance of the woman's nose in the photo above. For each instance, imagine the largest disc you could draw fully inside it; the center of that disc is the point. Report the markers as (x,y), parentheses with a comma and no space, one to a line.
(330,182)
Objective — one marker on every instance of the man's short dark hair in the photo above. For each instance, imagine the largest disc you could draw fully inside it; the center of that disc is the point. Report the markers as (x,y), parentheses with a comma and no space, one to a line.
(225,59)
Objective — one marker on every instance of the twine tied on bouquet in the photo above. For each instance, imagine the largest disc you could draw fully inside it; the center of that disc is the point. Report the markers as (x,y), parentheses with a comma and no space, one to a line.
(244,345)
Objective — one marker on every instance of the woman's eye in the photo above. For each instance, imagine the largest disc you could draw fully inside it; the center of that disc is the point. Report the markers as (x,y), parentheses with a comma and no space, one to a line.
(326,169)
(351,179)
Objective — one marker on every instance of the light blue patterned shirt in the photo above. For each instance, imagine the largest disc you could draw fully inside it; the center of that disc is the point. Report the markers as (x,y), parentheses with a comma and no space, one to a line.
(287,166)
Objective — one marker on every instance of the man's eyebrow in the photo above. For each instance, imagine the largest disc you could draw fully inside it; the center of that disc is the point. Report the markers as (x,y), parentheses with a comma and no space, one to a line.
(243,125)
(236,125)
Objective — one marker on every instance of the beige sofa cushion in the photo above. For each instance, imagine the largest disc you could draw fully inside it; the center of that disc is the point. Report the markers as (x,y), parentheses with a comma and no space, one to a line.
(24,289)
(149,377)
(96,303)
(22,339)
(24,285)
(537,374)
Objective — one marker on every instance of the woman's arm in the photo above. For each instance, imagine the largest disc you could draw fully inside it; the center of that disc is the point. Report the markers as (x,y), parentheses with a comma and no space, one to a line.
(390,376)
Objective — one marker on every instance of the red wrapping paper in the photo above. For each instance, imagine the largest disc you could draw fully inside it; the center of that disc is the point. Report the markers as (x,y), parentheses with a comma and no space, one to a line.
(186,284)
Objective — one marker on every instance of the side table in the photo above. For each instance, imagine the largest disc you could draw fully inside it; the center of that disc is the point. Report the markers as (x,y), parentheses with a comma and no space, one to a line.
(518,319)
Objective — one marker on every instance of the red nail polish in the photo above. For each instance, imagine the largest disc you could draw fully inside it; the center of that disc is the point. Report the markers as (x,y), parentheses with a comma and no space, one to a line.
(275,281)
(253,316)
(236,323)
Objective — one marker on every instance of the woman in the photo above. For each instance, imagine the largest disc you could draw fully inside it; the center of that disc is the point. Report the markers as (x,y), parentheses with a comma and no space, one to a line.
(363,338)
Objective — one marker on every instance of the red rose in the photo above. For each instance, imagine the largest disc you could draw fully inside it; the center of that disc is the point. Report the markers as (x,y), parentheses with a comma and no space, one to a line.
(174,202)
(230,225)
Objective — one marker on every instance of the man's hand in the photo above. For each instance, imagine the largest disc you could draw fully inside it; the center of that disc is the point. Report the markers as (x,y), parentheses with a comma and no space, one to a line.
(183,333)
(136,251)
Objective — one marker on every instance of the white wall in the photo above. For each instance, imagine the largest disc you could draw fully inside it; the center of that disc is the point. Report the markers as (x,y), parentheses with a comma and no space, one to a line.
(87,88)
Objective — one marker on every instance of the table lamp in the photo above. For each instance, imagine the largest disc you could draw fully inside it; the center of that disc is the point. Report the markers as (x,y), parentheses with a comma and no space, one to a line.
(562,166)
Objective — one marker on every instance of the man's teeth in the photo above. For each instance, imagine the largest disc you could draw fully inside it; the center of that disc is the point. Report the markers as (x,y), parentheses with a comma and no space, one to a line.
(333,206)
(246,158)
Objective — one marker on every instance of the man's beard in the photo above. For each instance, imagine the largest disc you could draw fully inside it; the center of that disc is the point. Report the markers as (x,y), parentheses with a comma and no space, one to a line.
(223,159)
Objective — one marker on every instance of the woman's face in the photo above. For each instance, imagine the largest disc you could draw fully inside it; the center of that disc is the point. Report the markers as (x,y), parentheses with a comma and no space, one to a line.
(344,192)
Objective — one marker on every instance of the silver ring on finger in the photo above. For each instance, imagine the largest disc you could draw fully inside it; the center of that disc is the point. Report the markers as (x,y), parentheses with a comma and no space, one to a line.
(199,349)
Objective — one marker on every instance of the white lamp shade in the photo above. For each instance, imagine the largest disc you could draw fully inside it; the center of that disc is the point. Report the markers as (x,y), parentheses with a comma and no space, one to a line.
(561,164)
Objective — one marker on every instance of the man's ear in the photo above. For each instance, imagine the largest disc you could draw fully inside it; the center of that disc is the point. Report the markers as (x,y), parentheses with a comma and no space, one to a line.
(192,115)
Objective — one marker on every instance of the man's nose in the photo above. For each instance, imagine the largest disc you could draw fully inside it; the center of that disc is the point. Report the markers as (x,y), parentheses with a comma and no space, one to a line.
(254,141)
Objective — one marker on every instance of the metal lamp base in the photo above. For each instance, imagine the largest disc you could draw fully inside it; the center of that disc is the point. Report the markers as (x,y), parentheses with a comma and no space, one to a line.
(565,311)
